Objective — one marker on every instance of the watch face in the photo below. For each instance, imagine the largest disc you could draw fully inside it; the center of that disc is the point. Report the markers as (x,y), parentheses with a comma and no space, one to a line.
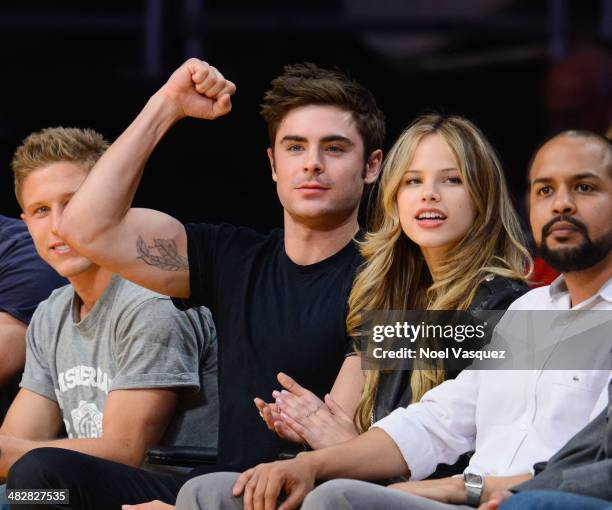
(473,479)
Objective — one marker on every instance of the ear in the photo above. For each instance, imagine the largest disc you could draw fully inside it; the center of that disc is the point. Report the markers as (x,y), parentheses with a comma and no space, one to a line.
(25,220)
(373,165)
(271,158)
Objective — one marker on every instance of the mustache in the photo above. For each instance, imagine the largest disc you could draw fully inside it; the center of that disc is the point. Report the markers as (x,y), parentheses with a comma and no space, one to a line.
(567,219)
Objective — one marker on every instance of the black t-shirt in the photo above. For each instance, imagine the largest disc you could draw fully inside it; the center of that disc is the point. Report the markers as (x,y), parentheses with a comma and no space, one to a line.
(272,315)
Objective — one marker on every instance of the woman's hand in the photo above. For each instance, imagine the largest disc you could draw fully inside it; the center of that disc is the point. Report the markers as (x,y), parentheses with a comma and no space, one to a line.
(318,423)
(270,414)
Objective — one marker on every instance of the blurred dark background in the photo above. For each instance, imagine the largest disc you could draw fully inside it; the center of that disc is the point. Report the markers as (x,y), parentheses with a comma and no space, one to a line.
(520,69)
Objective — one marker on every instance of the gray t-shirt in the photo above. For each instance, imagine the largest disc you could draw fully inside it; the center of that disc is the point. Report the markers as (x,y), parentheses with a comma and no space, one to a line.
(131,339)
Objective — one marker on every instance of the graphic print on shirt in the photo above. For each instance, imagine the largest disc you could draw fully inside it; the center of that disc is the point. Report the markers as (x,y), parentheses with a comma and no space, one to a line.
(82,375)
(87,420)
(81,395)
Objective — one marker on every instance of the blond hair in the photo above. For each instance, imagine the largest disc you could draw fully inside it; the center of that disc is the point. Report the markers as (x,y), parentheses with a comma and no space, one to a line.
(54,145)
(395,275)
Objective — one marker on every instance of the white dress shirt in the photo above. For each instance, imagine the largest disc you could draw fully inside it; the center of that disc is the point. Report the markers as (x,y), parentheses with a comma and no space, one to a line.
(511,418)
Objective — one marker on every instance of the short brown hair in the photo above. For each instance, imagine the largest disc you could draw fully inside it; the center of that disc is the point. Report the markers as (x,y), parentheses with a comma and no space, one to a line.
(53,145)
(307,84)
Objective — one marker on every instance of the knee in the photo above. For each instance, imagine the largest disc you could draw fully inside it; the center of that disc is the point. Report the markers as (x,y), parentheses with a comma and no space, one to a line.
(208,491)
(35,469)
(330,495)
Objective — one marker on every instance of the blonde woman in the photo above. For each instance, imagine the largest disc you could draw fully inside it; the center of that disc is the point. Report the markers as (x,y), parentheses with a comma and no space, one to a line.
(445,237)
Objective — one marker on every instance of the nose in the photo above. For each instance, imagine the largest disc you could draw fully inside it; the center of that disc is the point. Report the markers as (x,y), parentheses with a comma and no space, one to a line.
(56,216)
(429,193)
(313,162)
(563,202)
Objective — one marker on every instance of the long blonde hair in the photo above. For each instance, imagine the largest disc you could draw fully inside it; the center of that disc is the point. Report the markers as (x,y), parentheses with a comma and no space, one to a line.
(395,276)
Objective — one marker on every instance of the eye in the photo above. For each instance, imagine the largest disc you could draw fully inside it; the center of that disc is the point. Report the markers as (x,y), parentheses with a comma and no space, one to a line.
(453,180)
(295,147)
(412,180)
(584,188)
(41,211)
(334,148)
(544,191)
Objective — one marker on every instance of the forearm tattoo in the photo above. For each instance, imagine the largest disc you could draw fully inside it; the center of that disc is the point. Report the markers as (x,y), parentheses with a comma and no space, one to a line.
(163,254)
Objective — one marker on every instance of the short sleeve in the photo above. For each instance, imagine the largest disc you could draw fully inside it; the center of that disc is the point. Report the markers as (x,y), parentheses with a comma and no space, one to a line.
(158,346)
(25,279)
(214,253)
(37,374)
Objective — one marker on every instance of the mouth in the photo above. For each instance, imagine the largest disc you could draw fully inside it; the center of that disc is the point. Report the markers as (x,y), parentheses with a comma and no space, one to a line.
(429,218)
(562,229)
(60,248)
(314,185)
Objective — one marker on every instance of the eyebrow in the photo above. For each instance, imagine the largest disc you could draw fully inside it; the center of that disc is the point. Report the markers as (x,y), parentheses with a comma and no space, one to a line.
(34,205)
(325,139)
(442,170)
(577,177)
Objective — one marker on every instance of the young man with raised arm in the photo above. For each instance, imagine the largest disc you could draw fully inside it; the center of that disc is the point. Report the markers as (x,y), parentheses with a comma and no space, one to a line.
(113,365)
(512,419)
(278,300)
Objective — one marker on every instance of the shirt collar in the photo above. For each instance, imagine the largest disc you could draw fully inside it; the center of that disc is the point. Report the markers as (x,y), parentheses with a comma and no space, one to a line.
(606,291)
(558,289)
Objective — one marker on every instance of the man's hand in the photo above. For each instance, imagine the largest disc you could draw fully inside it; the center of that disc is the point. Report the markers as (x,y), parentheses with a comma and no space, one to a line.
(262,485)
(150,505)
(199,90)
(496,499)
(446,490)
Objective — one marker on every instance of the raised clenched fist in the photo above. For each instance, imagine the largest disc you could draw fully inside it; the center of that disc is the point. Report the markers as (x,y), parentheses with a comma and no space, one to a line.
(199,90)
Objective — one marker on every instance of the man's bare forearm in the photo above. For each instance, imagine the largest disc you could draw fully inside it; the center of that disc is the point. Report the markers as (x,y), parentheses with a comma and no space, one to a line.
(370,456)
(106,195)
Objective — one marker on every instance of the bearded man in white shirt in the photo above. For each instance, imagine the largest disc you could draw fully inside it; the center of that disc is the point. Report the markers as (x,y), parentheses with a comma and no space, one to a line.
(512,419)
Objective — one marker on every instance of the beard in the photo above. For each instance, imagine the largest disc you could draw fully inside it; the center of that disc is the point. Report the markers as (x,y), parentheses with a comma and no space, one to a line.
(577,258)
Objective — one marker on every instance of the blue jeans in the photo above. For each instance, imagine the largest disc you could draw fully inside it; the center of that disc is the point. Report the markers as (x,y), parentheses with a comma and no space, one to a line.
(553,500)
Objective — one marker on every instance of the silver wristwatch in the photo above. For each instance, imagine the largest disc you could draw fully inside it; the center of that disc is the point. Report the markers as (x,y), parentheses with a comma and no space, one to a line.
(473,488)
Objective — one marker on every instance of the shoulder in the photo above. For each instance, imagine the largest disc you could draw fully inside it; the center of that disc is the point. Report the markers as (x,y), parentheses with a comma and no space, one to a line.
(533,299)
(129,297)
(53,311)
(58,299)
(16,246)
(134,304)
(497,293)
(12,228)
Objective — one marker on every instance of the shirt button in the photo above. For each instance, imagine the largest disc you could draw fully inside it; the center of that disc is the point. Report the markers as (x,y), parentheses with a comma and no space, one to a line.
(523,426)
